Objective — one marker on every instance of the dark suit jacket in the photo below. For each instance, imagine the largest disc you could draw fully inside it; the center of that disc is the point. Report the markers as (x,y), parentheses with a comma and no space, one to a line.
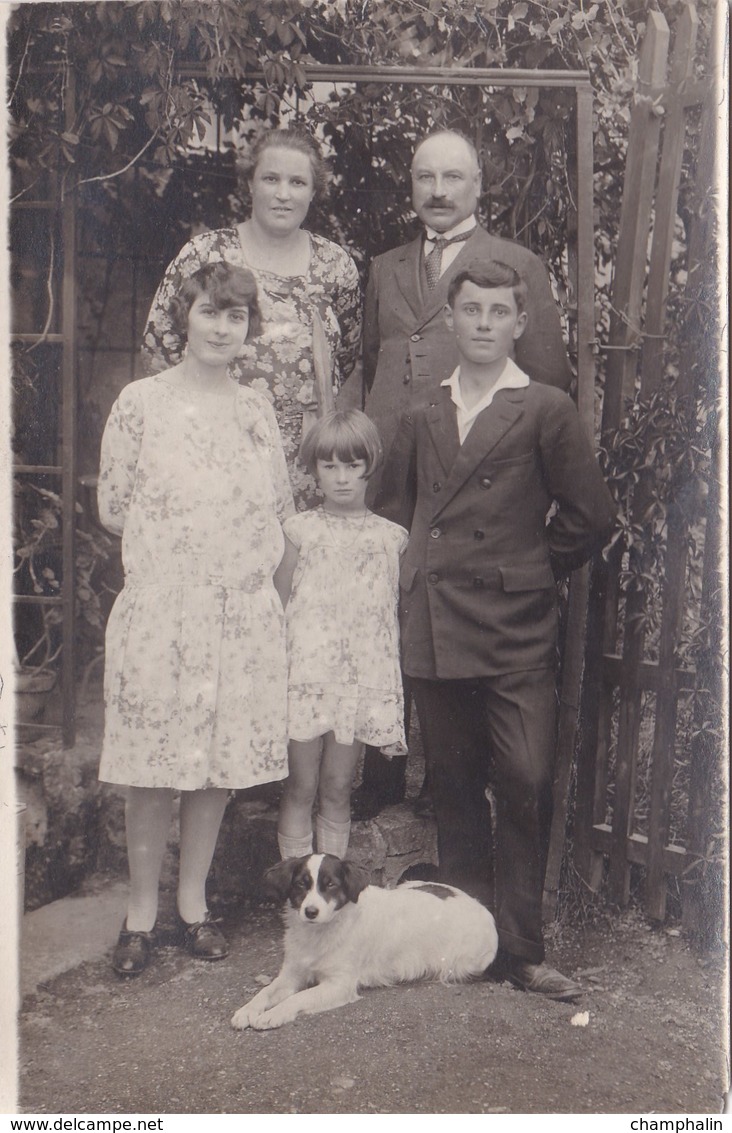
(408,348)
(478,594)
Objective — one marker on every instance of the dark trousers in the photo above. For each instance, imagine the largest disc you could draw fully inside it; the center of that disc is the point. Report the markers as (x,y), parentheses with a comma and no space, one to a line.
(499,734)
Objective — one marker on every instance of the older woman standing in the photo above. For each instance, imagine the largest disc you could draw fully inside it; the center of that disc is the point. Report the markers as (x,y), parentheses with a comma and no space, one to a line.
(307,285)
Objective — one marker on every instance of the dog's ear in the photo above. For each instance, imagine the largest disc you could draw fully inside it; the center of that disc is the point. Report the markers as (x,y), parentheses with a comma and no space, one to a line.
(354,879)
(279,877)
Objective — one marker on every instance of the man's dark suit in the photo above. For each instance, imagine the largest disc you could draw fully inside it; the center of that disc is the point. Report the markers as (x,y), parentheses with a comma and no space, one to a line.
(479,624)
(408,348)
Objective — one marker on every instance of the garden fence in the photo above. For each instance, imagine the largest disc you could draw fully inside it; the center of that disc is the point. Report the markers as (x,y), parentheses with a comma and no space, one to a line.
(647,756)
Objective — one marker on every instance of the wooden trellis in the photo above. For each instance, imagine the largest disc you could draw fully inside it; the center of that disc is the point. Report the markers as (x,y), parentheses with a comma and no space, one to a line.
(629,670)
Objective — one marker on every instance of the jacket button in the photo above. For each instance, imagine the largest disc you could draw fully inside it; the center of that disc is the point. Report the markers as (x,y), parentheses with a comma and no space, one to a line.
(478,583)
(406,379)
(416,338)
(433,578)
(479,534)
(436,486)
(485,482)
(435,533)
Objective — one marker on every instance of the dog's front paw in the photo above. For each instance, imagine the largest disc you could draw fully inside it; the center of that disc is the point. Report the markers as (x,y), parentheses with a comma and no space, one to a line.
(270,1020)
(243,1018)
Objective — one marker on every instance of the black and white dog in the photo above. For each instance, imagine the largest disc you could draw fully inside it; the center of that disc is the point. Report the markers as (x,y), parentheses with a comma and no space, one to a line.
(342,934)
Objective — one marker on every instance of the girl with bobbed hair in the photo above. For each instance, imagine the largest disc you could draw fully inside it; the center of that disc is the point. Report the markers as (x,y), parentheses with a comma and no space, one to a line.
(193,477)
(339,579)
(308,290)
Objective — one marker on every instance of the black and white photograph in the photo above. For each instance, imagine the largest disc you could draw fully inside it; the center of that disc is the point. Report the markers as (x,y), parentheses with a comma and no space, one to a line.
(364,665)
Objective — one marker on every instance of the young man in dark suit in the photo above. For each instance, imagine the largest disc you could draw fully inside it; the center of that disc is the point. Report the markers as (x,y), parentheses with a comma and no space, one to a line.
(499,487)
(408,349)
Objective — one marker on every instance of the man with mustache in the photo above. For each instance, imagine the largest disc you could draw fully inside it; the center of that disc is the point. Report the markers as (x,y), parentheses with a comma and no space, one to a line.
(408,349)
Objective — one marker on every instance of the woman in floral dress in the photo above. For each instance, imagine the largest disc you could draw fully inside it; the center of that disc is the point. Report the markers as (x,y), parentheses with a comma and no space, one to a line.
(194,479)
(304,282)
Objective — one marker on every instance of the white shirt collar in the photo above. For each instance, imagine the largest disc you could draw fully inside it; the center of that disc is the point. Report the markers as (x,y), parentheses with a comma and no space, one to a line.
(511,378)
(466,225)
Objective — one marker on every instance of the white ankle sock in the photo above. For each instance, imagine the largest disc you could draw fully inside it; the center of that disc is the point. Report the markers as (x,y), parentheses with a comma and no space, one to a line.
(294,847)
(332,837)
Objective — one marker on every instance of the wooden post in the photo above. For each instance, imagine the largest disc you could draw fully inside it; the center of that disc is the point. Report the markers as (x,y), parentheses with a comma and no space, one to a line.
(643,141)
(674,583)
(709,755)
(567,731)
(69,415)
(589,807)
(667,197)
(662,752)
(574,645)
(630,262)
(585,262)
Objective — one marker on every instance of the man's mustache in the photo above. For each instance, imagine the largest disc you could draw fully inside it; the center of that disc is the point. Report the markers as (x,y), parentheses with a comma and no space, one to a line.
(436,202)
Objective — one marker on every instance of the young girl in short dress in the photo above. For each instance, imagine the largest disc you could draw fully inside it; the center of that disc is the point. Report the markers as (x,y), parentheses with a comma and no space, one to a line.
(339,580)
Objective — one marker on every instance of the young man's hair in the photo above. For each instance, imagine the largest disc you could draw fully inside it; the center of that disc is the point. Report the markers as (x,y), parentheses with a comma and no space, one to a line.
(491,273)
(346,434)
(227,285)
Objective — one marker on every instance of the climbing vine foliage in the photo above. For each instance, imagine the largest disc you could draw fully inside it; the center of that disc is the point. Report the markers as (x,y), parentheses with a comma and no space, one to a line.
(147,75)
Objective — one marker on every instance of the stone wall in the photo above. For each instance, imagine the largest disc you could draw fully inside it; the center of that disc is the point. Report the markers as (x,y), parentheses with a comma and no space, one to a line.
(74,827)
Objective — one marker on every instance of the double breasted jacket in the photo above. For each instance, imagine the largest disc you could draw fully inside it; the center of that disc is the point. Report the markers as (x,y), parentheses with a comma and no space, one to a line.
(493,523)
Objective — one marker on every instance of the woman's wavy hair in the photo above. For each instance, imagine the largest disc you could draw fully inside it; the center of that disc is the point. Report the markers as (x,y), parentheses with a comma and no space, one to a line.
(227,285)
(287,138)
(346,434)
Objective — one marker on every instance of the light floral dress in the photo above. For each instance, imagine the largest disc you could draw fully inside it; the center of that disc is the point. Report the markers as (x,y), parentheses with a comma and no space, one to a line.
(343,630)
(195,672)
(279,361)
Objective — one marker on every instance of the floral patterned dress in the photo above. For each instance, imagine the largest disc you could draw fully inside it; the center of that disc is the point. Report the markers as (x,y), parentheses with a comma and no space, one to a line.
(195,672)
(279,361)
(342,629)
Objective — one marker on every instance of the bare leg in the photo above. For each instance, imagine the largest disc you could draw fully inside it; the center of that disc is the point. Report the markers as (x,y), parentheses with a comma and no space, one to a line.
(295,824)
(147,821)
(201,813)
(333,822)
(336,778)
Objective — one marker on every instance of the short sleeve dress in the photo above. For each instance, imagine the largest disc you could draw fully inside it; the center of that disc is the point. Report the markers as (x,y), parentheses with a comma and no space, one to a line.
(279,361)
(195,669)
(342,629)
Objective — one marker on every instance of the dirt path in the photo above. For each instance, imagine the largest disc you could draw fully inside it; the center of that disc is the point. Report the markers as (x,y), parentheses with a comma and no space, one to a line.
(655,1040)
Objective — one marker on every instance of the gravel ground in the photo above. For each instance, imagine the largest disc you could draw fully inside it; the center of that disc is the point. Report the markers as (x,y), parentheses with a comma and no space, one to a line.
(655,1040)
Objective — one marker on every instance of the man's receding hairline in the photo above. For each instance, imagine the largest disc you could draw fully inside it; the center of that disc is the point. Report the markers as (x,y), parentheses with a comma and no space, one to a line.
(448,134)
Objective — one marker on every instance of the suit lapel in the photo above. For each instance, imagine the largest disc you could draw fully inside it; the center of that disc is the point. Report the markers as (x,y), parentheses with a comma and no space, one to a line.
(442,424)
(488,429)
(407,277)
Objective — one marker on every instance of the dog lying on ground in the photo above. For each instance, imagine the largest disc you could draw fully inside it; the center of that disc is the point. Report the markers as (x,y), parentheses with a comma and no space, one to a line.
(342,934)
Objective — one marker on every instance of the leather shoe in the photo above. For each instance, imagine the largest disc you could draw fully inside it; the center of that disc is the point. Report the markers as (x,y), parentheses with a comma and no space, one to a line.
(367,802)
(203,939)
(544,980)
(132,951)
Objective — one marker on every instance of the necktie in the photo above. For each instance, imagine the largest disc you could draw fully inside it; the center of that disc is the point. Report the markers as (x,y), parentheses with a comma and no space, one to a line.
(433,262)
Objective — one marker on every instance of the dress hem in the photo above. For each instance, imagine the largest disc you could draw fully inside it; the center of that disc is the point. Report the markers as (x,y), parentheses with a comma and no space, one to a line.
(238,786)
